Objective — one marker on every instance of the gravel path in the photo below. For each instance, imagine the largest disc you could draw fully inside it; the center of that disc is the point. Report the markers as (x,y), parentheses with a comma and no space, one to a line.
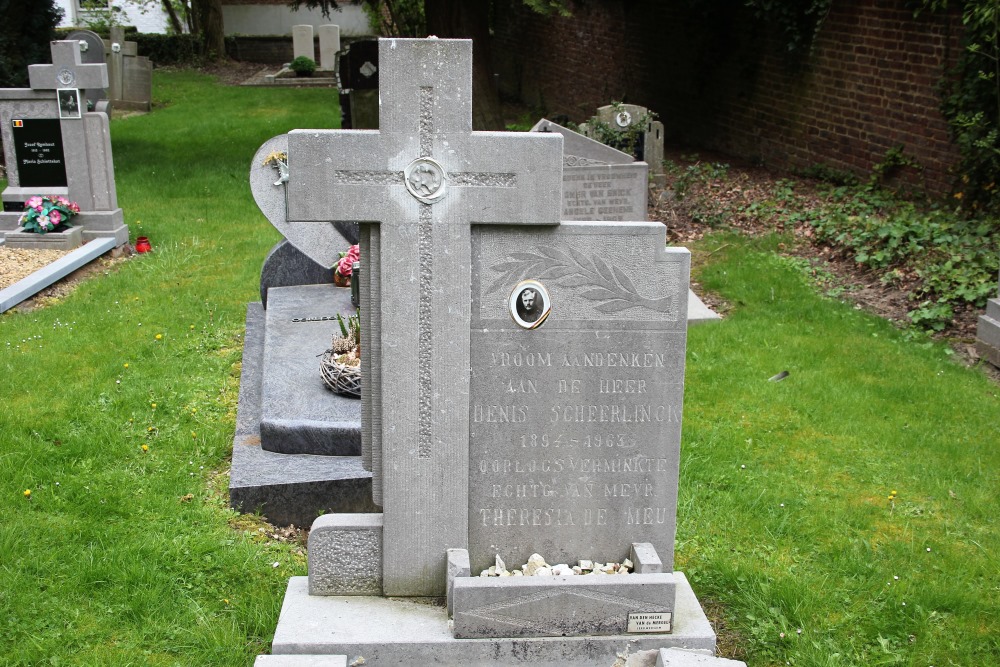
(18,263)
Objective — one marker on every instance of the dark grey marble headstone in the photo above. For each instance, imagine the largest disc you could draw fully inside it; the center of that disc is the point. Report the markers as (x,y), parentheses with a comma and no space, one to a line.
(287,266)
(299,415)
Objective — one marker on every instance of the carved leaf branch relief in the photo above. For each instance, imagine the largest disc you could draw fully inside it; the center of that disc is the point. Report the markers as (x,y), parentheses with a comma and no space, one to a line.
(607,285)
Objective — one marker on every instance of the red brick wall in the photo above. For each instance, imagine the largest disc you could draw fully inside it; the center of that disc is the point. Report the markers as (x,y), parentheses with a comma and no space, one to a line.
(868,86)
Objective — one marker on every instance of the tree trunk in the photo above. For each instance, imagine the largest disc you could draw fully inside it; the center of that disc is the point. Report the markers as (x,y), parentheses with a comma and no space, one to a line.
(175,22)
(213,36)
(452,18)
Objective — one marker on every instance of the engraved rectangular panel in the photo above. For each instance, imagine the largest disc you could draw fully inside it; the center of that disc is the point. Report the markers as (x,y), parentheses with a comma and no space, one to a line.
(649,622)
(575,425)
(560,606)
(614,192)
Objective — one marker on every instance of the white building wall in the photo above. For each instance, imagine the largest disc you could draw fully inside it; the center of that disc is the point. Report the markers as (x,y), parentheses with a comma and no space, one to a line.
(155,20)
(279,19)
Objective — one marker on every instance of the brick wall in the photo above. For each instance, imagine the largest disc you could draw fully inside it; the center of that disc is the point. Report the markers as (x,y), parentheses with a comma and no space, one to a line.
(868,86)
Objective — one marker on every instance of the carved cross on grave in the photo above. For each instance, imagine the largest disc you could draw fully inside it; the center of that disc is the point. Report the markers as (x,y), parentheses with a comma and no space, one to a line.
(417,185)
(67,70)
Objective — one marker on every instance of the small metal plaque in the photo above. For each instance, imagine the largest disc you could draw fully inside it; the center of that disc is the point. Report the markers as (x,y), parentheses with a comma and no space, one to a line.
(658,621)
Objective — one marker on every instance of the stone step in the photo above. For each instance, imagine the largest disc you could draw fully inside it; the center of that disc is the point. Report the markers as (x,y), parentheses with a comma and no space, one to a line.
(62,267)
(988,330)
(399,631)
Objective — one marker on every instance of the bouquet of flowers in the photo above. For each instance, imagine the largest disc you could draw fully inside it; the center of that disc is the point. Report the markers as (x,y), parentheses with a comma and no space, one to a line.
(47,214)
(346,265)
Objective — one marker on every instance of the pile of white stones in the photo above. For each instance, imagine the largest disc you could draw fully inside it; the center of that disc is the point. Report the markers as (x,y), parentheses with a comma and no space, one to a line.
(537,567)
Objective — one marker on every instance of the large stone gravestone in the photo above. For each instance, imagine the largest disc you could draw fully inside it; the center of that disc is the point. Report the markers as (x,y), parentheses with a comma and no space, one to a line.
(523,390)
(599,182)
(47,154)
(626,117)
(130,75)
(988,332)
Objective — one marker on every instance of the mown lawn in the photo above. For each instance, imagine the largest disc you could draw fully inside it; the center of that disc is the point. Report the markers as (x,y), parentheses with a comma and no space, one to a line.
(126,556)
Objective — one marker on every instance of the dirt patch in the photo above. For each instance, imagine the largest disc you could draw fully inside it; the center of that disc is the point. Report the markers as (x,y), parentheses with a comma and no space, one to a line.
(733,191)
(19,263)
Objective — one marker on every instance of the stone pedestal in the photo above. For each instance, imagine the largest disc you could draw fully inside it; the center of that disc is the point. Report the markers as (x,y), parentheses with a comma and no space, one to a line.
(388,631)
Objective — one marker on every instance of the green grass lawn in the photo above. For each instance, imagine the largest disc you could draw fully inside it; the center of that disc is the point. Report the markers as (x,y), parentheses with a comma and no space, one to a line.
(129,557)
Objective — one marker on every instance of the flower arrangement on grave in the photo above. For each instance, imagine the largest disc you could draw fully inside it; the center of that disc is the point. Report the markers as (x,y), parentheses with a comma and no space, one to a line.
(345,267)
(341,365)
(48,214)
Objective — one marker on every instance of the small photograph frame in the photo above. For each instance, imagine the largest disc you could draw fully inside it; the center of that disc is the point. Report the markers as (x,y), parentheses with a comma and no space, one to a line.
(69,102)
(529,304)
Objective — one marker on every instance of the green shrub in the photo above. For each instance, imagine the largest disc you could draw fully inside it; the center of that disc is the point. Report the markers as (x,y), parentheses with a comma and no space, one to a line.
(303,65)
(28,27)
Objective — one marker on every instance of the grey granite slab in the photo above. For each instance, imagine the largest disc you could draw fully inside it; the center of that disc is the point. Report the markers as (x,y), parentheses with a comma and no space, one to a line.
(299,414)
(580,150)
(415,632)
(287,266)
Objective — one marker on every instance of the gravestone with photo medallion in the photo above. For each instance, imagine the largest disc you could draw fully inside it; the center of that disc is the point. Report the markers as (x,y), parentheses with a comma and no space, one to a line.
(632,119)
(53,146)
(522,393)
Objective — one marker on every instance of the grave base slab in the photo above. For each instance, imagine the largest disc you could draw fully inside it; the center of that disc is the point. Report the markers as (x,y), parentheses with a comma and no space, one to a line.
(415,631)
(65,240)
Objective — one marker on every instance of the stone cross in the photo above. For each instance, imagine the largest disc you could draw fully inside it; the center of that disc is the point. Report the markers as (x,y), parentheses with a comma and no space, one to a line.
(67,70)
(417,185)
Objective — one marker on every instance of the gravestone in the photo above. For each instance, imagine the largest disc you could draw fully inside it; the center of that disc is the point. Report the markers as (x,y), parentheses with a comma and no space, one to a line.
(329,46)
(622,118)
(522,391)
(50,152)
(988,332)
(358,81)
(599,182)
(92,53)
(302,42)
(130,75)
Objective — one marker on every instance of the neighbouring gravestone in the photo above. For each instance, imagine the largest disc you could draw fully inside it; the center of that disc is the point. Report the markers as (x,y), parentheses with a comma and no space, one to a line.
(988,332)
(302,42)
(523,391)
(52,150)
(329,46)
(92,53)
(130,75)
(623,118)
(357,79)
(599,182)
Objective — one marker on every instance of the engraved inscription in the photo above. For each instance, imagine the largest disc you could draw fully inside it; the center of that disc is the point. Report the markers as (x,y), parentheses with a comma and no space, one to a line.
(649,622)
(565,436)
(603,194)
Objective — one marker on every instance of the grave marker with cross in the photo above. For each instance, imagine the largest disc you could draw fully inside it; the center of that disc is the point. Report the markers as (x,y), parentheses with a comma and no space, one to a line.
(86,143)
(417,185)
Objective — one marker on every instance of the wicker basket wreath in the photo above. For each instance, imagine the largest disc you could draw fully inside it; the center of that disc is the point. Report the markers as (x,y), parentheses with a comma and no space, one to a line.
(341,367)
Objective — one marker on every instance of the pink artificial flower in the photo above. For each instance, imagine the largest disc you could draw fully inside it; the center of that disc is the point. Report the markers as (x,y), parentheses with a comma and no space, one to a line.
(55,216)
(62,201)
(345,267)
(34,202)
(43,221)
(73,206)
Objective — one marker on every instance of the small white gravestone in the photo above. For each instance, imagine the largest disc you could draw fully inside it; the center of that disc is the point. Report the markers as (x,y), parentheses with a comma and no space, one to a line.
(329,46)
(302,42)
